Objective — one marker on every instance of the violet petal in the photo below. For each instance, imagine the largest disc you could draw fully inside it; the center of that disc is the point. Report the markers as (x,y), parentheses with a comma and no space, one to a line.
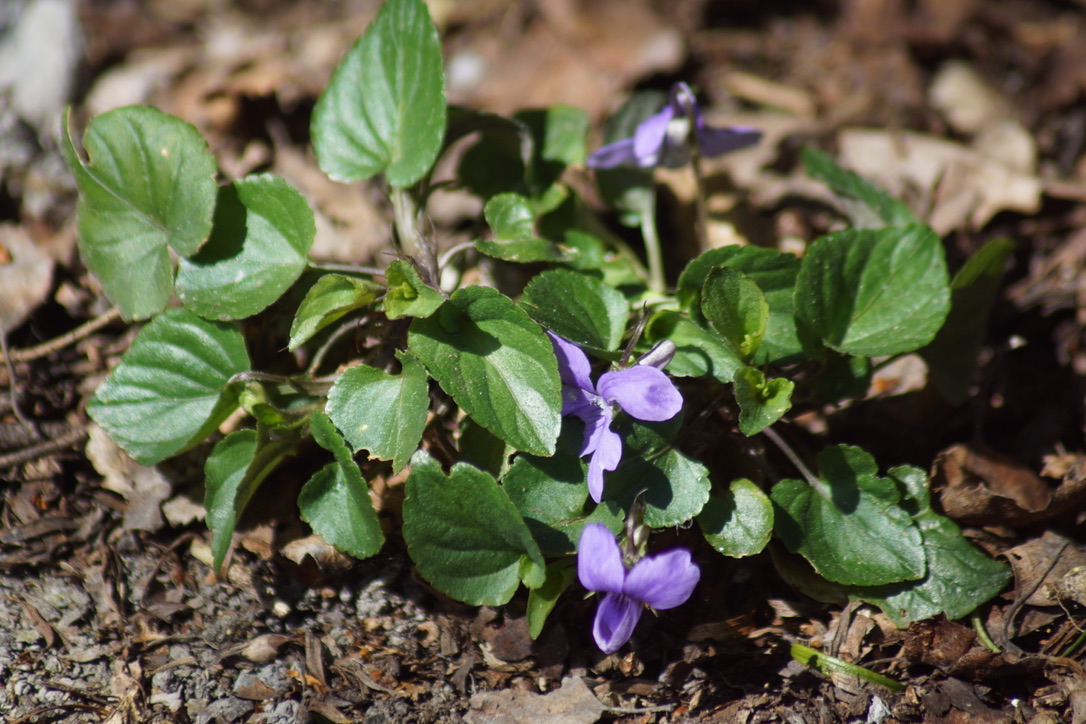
(650,135)
(718,141)
(664,580)
(619,153)
(599,560)
(606,455)
(645,393)
(573,365)
(615,621)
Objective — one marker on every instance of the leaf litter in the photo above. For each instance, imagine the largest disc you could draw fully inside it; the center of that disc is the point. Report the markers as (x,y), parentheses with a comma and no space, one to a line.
(966,110)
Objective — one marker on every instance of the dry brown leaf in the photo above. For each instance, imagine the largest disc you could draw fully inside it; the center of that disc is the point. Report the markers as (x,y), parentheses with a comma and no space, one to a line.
(573,703)
(144,488)
(1042,566)
(26,273)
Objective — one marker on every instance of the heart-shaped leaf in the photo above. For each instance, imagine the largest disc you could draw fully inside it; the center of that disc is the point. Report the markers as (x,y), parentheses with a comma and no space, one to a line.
(580,308)
(384,108)
(761,402)
(737,309)
(408,295)
(333,296)
(739,521)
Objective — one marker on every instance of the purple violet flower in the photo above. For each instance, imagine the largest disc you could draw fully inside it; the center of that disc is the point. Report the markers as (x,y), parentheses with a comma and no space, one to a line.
(663,139)
(661,581)
(643,392)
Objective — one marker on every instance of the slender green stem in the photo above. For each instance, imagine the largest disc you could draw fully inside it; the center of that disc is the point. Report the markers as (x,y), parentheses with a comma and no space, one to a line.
(701,201)
(346,268)
(653,253)
(791,454)
(413,242)
(1075,646)
(982,633)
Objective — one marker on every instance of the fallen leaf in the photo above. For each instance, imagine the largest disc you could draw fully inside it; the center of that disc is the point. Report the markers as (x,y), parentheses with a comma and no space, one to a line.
(144,488)
(26,274)
(1044,566)
(572,703)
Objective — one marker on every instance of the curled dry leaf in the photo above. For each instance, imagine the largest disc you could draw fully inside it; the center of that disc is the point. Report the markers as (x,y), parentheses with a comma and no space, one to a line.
(26,273)
(1048,567)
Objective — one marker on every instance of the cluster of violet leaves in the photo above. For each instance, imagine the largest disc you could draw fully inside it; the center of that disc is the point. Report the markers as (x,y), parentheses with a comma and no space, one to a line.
(544,424)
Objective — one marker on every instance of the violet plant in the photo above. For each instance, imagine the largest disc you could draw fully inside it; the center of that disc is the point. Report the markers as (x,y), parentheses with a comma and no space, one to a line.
(487,397)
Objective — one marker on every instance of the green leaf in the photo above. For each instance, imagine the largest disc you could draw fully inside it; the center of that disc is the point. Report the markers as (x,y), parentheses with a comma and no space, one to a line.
(869,206)
(952,355)
(582,309)
(237,466)
(552,495)
(560,575)
(775,274)
(149,186)
(832,665)
(737,309)
(465,535)
(408,295)
(512,219)
(382,413)
(499,161)
(959,578)
(384,108)
(676,487)
(740,522)
(497,365)
(258,248)
(699,352)
(761,402)
(328,300)
(335,501)
(849,523)
(865,292)
(169,391)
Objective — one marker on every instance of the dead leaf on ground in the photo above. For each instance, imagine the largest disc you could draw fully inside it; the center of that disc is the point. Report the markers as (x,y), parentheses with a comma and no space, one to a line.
(977,486)
(573,703)
(26,274)
(144,488)
(1042,567)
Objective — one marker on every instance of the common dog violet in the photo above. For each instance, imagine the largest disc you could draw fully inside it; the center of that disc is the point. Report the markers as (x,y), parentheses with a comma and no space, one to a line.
(661,581)
(642,391)
(664,139)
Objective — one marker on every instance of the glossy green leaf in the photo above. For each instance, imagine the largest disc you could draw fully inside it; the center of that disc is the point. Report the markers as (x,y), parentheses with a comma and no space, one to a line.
(148,186)
(237,466)
(336,501)
(465,535)
(676,487)
(552,495)
(739,521)
(699,352)
(560,575)
(775,274)
(408,295)
(582,309)
(259,246)
(959,577)
(382,413)
(761,402)
(384,108)
(497,365)
(865,292)
(328,300)
(952,355)
(869,206)
(169,391)
(511,217)
(737,309)
(849,523)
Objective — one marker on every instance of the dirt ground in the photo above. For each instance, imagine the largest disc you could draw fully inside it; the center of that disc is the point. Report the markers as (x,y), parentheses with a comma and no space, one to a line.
(973,111)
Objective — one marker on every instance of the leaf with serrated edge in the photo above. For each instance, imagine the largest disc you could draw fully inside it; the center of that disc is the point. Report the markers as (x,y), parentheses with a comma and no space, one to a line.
(384,108)
(761,402)
(737,309)
(849,524)
(149,186)
(867,292)
(465,535)
(402,400)
(738,522)
(263,232)
(582,309)
(169,391)
(336,501)
(408,295)
(497,365)
(676,487)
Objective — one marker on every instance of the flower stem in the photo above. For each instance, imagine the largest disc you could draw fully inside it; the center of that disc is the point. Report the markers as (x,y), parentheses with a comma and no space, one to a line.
(651,237)
(791,455)
(701,201)
(405,213)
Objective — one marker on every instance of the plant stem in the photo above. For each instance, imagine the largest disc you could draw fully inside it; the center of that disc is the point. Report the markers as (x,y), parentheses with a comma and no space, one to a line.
(405,212)
(791,454)
(701,201)
(653,253)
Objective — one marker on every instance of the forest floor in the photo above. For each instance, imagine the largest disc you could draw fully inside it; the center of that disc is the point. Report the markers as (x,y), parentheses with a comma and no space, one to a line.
(973,111)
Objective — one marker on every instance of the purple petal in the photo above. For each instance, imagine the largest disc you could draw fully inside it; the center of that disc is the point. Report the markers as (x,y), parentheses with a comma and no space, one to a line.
(664,580)
(573,366)
(599,560)
(615,621)
(645,393)
(650,135)
(620,153)
(606,447)
(585,404)
(718,141)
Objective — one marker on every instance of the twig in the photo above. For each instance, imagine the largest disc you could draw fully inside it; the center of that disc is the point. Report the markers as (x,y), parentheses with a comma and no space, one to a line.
(48,447)
(791,454)
(13,391)
(57,343)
